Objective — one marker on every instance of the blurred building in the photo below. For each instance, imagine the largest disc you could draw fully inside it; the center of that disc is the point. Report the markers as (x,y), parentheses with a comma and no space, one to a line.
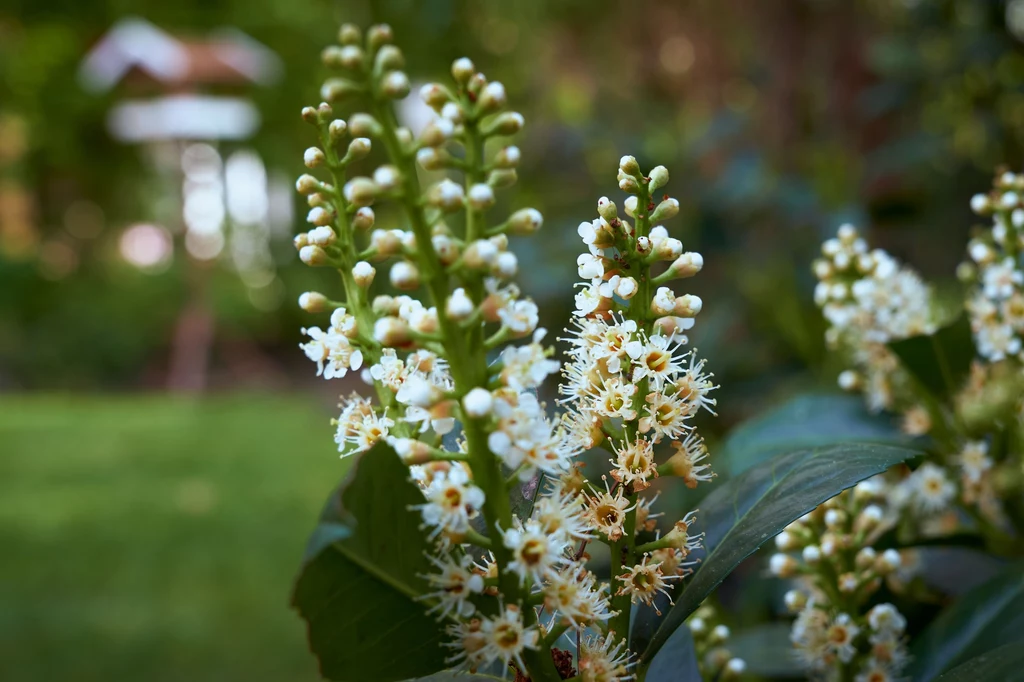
(186,103)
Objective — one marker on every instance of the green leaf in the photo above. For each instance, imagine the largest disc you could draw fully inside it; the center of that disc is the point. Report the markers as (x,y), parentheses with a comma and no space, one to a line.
(357,586)
(940,362)
(767,650)
(747,511)
(986,617)
(954,570)
(1003,663)
(807,421)
(676,662)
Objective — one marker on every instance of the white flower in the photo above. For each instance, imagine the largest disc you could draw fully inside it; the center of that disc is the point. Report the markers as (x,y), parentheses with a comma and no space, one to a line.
(573,594)
(930,489)
(1000,279)
(495,638)
(453,586)
(590,266)
(520,316)
(526,367)
(452,500)
(605,659)
(478,402)
(415,391)
(332,352)
(535,553)
(359,427)
(885,618)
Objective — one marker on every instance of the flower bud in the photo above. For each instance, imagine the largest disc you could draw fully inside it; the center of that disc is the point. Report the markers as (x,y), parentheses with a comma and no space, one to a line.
(349,34)
(630,205)
(446,195)
(363,218)
(388,58)
(445,247)
(322,236)
(627,183)
(697,626)
(385,306)
(360,191)
(404,276)
(687,305)
(437,132)
(508,123)
(835,519)
(719,634)
(508,157)
(687,265)
(505,265)
(435,96)
(307,184)
(525,221)
(795,600)
(606,209)
(502,177)
(410,450)
(300,240)
(309,115)
(481,197)
(669,248)
(811,554)
(786,541)
(658,178)
(888,562)
(462,70)
(492,97)
(378,36)
(358,149)
(313,157)
(643,245)
(391,331)
(629,166)
(364,125)
(363,273)
(386,177)
(669,208)
(480,254)
(783,566)
(460,306)
(849,380)
(313,302)
(627,288)
(335,89)
(313,255)
(865,558)
(478,403)
(430,158)
(385,242)
(395,84)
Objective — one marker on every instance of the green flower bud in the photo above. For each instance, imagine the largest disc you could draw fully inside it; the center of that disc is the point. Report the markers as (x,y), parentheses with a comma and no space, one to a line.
(508,123)
(389,58)
(364,125)
(335,89)
(309,115)
(669,208)
(336,130)
(606,209)
(502,177)
(395,84)
(525,221)
(360,191)
(378,36)
(358,148)
(659,177)
(462,70)
(349,34)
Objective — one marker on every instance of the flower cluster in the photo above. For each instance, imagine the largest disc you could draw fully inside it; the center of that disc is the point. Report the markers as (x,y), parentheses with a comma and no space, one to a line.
(710,638)
(995,272)
(455,360)
(829,551)
(869,299)
(630,386)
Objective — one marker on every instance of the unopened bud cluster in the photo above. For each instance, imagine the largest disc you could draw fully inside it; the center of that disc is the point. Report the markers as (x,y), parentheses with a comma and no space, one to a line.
(869,299)
(830,556)
(710,643)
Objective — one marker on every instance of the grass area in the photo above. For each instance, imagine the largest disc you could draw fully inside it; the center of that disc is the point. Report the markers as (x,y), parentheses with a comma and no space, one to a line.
(153,538)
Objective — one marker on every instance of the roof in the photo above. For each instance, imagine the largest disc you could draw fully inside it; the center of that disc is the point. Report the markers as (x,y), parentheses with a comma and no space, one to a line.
(134,45)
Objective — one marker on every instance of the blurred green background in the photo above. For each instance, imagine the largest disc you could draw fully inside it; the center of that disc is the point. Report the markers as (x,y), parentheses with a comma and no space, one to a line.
(163,446)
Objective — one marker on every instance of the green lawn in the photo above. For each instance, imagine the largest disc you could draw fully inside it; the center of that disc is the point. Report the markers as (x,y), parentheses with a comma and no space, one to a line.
(152,538)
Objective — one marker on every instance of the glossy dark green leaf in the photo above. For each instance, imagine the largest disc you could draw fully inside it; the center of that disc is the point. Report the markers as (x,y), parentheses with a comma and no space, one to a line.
(747,511)
(807,421)
(677,660)
(357,587)
(767,650)
(1002,663)
(954,570)
(940,362)
(986,617)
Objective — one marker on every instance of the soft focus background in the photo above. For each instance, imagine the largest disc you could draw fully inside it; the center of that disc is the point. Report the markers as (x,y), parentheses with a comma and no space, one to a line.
(164,447)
